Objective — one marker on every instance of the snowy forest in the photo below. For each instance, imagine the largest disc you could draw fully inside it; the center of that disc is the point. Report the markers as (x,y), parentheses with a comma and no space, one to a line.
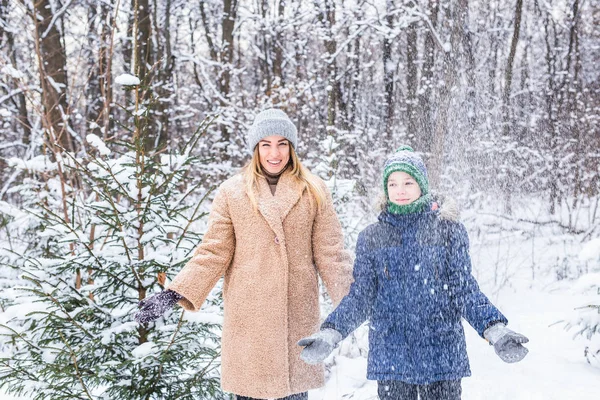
(119,118)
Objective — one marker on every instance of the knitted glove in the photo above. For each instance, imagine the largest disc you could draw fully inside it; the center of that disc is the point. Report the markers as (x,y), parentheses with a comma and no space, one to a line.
(507,344)
(319,345)
(154,306)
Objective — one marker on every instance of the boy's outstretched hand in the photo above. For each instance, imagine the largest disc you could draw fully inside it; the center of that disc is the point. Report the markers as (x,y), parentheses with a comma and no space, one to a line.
(154,306)
(507,344)
(319,345)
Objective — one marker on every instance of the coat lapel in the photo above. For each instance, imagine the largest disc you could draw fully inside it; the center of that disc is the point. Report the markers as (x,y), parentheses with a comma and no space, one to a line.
(288,193)
(275,208)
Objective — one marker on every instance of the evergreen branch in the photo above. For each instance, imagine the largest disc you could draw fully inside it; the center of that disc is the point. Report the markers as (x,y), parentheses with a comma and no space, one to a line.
(60,306)
(589,306)
(24,371)
(213,358)
(100,162)
(128,129)
(123,190)
(170,177)
(190,191)
(103,271)
(192,218)
(160,367)
(86,246)
(20,336)
(122,238)
(201,131)
(75,365)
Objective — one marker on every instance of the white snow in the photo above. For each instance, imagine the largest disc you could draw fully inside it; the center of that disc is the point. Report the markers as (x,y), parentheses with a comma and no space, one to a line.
(97,143)
(57,86)
(127,80)
(12,72)
(144,350)
(591,251)
(36,164)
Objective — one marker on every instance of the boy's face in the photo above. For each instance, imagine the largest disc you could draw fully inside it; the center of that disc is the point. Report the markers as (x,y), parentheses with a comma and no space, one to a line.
(402,188)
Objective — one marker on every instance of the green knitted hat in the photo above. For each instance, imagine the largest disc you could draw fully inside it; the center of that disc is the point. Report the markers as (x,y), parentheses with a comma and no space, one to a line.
(406,160)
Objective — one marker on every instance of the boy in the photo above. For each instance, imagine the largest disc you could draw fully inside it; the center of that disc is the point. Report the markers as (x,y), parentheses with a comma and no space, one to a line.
(413,282)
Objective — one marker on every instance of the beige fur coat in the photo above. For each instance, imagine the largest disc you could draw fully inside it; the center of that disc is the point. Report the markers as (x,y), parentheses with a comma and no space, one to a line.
(270,259)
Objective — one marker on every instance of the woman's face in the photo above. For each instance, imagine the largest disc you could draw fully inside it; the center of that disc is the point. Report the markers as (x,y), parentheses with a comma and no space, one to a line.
(402,188)
(274,153)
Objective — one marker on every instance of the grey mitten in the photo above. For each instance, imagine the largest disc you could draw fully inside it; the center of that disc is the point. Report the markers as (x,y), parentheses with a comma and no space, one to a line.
(319,346)
(154,306)
(507,344)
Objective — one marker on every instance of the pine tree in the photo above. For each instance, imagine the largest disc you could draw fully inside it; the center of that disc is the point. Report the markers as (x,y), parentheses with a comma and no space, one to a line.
(586,322)
(131,222)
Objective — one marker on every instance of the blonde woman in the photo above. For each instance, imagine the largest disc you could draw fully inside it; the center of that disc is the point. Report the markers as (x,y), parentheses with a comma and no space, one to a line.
(272,230)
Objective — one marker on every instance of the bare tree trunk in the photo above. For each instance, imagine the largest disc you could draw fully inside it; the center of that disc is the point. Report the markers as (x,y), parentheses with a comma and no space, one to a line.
(412,80)
(142,41)
(492,71)
(164,74)
(341,94)
(53,76)
(388,73)
(278,45)
(105,61)
(93,91)
(327,17)
(450,72)
(425,139)
(506,182)
(472,103)
(214,54)
(142,63)
(18,99)
(525,97)
(226,54)
(573,95)
(509,68)
(265,45)
(227,47)
(355,81)
(550,122)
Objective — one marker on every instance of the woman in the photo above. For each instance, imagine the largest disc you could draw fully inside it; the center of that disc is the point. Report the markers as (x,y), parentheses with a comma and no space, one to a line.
(271,230)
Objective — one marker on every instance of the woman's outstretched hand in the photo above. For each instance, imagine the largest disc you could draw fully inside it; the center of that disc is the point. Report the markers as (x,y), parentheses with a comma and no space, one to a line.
(319,345)
(154,306)
(507,344)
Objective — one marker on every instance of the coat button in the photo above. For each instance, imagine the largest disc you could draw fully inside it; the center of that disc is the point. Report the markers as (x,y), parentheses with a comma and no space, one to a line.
(276,240)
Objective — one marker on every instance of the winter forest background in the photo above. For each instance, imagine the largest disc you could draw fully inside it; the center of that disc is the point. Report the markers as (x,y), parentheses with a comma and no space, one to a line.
(106,181)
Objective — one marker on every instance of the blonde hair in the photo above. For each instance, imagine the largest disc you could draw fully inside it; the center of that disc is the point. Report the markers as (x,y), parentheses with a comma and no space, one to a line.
(253,171)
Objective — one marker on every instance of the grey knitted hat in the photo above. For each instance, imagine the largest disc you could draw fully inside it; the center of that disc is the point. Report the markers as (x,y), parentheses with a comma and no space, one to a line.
(272,122)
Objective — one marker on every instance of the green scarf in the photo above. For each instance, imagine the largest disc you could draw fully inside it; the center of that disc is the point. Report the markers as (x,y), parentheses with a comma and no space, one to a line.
(414,207)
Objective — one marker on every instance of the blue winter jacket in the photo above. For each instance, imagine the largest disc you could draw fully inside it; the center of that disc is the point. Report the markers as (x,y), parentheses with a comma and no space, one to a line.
(413,282)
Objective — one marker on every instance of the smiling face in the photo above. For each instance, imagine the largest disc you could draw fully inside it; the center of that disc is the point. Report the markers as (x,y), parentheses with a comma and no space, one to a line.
(402,188)
(274,153)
